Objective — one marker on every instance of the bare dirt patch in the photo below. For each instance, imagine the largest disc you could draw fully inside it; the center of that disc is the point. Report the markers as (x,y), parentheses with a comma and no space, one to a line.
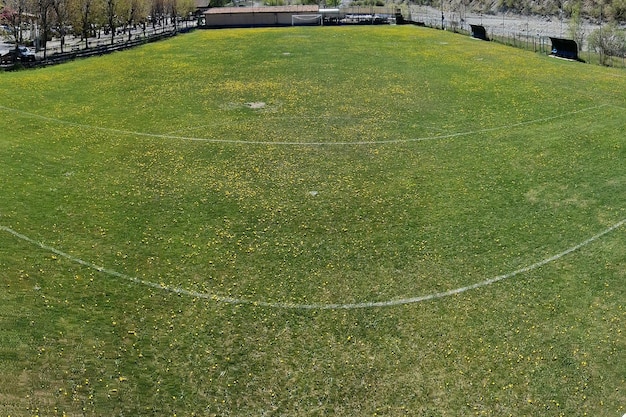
(256,105)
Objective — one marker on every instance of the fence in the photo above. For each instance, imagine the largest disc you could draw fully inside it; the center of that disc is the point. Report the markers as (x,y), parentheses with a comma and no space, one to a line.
(97,46)
(516,31)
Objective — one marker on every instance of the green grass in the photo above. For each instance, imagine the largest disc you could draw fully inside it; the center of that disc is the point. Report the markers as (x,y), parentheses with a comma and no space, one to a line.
(386,163)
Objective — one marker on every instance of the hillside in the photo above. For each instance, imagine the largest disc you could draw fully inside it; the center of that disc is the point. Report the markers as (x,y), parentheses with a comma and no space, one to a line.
(614,10)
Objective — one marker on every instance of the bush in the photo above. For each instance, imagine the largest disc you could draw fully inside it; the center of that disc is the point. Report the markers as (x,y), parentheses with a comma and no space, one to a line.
(608,41)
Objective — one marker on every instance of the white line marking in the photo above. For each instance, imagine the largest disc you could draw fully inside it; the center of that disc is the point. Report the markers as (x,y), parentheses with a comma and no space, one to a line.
(315,306)
(269,143)
(618,107)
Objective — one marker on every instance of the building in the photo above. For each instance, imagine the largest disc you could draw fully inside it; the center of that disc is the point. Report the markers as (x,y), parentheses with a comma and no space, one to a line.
(230,17)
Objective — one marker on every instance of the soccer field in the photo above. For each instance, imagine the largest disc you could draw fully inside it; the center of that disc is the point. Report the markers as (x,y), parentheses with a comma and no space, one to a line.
(314,221)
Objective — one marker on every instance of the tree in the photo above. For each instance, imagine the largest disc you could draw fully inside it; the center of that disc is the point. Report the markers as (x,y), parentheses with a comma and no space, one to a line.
(62,15)
(11,16)
(181,8)
(157,9)
(217,3)
(111,17)
(87,11)
(171,8)
(44,8)
(608,41)
(131,11)
(576,27)
(617,10)
(84,13)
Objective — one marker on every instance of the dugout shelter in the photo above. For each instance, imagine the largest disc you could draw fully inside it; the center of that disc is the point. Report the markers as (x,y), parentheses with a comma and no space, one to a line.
(564,48)
(479,32)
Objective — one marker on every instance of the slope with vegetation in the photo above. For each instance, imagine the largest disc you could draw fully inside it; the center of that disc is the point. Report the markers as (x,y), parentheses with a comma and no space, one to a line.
(612,10)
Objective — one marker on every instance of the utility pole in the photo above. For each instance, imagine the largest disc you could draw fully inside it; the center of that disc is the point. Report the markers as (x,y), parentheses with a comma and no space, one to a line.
(601,37)
(442,17)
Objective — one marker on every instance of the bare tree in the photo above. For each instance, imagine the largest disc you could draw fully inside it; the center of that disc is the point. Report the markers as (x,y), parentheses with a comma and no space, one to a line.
(111,17)
(62,15)
(576,27)
(608,41)
(157,9)
(44,9)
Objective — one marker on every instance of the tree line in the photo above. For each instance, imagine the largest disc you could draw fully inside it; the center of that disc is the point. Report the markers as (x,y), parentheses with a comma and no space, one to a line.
(85,18)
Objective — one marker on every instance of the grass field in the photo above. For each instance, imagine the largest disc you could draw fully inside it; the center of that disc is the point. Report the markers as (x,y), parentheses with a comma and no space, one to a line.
(336,221)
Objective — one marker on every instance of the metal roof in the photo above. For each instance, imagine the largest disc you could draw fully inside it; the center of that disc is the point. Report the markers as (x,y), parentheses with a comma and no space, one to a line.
(268,9)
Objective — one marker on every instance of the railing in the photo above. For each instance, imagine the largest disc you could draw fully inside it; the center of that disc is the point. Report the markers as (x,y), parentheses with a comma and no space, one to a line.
(524,40)
(76,48)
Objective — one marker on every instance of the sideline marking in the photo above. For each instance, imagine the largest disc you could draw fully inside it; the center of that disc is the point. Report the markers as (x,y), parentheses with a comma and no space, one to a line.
(315,306)
(268,143)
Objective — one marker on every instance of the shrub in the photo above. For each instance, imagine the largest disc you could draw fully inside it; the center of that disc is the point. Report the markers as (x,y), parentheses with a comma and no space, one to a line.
(608,41)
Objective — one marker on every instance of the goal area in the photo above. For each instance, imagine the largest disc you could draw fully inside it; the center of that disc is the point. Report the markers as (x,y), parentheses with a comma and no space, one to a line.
(307,20)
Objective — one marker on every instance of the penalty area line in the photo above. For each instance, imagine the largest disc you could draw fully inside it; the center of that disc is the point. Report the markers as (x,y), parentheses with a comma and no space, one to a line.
(313,306)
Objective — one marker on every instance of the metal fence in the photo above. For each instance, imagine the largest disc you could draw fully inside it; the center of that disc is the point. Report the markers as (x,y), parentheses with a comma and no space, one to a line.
(75,48)
(524,32)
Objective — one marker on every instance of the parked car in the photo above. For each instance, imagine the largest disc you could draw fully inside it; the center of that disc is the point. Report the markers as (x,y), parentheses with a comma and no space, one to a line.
(19,54)
(6,59)
(24,54)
